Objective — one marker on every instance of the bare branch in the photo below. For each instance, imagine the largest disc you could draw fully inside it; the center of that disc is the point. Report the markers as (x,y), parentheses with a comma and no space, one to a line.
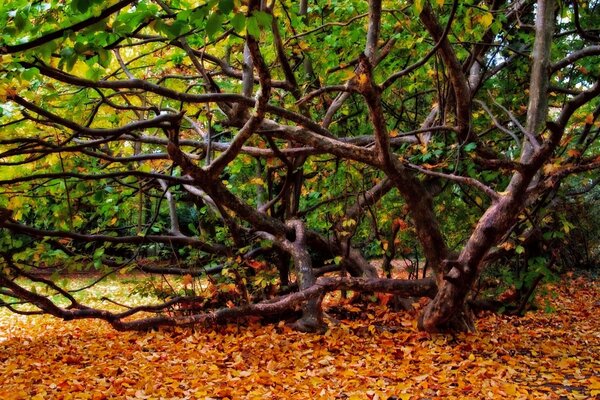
(162,120)
(491,193)
(209,248)
(528,135)
(574,56)
(462,93)
(498,124)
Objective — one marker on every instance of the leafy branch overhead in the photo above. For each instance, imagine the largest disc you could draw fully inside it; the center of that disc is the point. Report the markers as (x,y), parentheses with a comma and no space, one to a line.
(272,150)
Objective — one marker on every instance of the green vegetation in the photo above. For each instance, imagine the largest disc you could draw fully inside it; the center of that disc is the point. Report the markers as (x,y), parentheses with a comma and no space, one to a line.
(265,152)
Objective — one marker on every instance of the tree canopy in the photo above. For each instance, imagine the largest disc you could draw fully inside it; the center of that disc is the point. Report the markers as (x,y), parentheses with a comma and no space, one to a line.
(268,150)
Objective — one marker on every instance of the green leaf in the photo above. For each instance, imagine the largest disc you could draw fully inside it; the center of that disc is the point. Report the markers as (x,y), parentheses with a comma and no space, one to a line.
(81,6)
(46,50)
(469,147)
(67,52)
(197,17)
(252,26)
(213,24)
(20,20)
(519,249)
(184,15)
(226,6)
(238,22)
(104,57)
(68,57)
(264,19)
(30,73)
(94,73)
(176,28)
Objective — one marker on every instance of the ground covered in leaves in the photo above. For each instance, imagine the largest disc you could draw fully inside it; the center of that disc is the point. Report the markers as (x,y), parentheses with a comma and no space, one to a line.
(539,356)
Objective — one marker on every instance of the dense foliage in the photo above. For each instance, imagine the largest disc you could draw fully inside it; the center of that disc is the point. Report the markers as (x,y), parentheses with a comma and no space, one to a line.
(253,147)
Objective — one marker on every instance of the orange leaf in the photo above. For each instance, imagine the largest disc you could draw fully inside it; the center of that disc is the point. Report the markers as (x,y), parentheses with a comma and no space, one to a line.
(573,153)
(589,119)
(187,279)
(255,264)
(384,298)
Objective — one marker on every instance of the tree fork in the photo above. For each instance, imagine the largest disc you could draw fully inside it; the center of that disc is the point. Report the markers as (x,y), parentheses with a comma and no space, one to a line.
(449,310)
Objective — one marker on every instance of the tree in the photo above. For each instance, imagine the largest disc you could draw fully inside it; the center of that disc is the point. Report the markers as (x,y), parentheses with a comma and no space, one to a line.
(307,133)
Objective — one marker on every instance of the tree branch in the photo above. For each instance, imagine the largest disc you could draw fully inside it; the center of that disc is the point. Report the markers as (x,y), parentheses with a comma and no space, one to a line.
(11,49)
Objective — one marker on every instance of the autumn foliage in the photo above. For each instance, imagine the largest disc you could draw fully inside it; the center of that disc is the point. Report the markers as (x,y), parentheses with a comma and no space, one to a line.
(371,353)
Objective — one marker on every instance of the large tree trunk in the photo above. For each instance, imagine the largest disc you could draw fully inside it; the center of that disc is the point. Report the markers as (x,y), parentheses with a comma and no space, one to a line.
(449,311)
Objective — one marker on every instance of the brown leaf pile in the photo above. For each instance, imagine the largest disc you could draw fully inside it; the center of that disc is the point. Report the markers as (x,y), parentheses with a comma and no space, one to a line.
(539,356)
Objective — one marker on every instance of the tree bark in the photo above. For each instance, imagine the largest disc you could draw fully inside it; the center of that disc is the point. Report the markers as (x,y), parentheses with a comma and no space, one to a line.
(449,310)
(312,313)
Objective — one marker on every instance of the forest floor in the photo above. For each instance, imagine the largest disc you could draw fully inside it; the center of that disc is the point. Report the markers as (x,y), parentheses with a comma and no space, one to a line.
(374,354)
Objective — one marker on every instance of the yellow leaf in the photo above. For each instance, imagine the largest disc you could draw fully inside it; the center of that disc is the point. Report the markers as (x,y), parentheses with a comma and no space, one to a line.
(257,181)
(551,168)
(440,3)
(362,79)
(304,45)
(418,6)
(486,19)
(348,74)
(80,68)
(510,389)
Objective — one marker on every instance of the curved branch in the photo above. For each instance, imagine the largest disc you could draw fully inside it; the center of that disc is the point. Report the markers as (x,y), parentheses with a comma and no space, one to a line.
(182,240)
(405,288)
(462,93)
(217,166)
(85,177)
(497,124)
(574,56)
(11,49)
(156,122)
(582,32)
(491,193)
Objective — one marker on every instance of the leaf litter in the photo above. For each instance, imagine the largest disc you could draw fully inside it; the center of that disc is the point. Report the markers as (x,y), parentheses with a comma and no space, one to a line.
(382,356)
